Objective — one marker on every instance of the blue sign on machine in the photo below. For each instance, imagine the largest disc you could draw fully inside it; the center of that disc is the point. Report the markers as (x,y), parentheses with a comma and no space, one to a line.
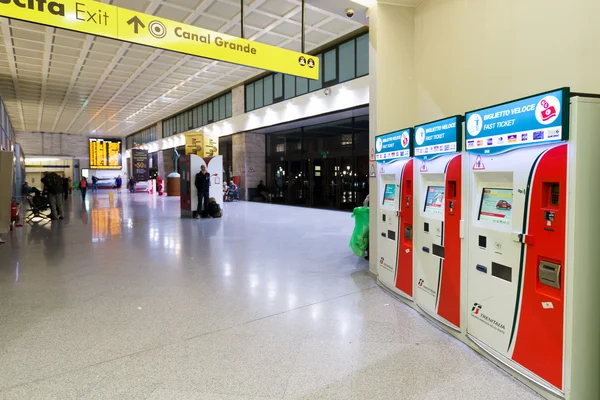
(439,137)
(531,121)
(393,146)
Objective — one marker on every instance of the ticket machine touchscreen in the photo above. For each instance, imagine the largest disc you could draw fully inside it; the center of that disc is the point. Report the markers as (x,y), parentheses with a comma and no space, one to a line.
(434,202)
(389,195)
(496,206)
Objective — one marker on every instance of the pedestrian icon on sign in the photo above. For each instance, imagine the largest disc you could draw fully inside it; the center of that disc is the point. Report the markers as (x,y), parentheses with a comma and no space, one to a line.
(311,63)
(478,164)
(302,61)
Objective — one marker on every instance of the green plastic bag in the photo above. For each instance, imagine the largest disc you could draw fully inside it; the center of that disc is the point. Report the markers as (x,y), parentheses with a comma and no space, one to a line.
(359,242)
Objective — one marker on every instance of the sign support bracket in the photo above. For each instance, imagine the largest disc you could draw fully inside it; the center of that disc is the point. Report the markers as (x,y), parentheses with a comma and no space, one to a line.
(302,38)
(242,34)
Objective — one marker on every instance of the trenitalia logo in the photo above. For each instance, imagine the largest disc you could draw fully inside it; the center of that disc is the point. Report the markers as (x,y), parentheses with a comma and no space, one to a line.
(426,288)
(476,313)
(381,261)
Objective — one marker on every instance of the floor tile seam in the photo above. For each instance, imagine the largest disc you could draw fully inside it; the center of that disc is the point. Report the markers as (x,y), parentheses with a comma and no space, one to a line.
(282,312)
(334,382)
(175,342)
(291,371)
(297,352)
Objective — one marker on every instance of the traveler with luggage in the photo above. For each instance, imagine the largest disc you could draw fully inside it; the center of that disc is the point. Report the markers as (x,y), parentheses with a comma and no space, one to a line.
(202,183)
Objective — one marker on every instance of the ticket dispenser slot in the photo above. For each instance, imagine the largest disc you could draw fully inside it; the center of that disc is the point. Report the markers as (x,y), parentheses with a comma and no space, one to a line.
(549,274)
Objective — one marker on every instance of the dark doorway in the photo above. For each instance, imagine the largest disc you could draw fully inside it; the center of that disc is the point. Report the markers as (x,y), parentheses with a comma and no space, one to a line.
(324,165)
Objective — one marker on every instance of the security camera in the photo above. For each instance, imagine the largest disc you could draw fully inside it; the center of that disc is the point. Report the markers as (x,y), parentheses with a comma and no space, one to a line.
(349,12)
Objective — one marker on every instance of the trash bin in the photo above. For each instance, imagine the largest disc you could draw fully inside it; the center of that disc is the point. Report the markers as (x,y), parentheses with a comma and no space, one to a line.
(359,242)
(173,184)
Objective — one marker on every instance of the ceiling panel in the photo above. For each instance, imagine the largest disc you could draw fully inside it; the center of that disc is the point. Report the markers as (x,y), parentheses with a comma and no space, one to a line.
(61,81)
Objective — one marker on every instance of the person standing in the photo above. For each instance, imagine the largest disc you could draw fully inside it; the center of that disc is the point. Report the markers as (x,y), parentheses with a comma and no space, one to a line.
(119,182)
(54,187)
(65,183)
(83,187)
(264,192)
(94,184)
(202,183)
(131,185)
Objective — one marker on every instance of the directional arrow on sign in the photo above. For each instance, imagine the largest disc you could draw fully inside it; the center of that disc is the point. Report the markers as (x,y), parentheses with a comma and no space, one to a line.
(137,22)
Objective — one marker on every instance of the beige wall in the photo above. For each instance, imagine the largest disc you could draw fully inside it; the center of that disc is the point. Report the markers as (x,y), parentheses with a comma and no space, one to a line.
(393,41)
(473,53)
(392,85)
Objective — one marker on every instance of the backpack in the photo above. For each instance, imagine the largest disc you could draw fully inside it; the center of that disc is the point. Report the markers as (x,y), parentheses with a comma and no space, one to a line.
(214,210)
(54,183)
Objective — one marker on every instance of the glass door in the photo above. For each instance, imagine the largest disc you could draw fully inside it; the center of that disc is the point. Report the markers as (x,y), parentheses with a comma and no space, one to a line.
(347,187)
(324,193)
(279,182)
(298,183)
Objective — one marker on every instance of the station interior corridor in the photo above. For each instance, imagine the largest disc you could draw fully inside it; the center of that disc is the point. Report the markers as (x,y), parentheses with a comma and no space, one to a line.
(126,300)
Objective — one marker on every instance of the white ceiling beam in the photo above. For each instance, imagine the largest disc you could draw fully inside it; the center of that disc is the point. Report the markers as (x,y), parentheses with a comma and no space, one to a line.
(328,13)
(290,14)
(141,122)
(115,61)
(45,70)
(201,8)
(12,65)
(76,70)
(190,18)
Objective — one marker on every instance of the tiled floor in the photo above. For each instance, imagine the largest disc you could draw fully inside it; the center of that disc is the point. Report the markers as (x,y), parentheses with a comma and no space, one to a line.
(125,300)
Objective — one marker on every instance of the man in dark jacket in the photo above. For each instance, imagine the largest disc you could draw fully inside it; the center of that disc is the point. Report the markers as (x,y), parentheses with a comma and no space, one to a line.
(53,186)
(203,186)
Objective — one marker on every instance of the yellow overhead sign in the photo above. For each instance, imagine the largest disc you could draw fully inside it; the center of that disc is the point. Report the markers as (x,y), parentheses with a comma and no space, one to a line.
(113,22)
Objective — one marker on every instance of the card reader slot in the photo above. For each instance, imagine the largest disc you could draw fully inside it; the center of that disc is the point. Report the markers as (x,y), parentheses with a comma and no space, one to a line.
(481,268)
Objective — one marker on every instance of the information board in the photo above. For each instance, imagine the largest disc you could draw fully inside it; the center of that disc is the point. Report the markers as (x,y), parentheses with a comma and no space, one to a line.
(105,154)
(438,137)
(140,164)
(531,121)
(393,146)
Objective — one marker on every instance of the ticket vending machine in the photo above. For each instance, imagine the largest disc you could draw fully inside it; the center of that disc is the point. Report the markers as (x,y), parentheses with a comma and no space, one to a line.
(394,222)
(439,225)
(532,271)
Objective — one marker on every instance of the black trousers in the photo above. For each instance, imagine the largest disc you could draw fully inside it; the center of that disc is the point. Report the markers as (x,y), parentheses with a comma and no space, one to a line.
(202,198)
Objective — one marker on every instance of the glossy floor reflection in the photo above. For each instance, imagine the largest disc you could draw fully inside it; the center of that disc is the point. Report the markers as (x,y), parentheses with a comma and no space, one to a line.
(125,300)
